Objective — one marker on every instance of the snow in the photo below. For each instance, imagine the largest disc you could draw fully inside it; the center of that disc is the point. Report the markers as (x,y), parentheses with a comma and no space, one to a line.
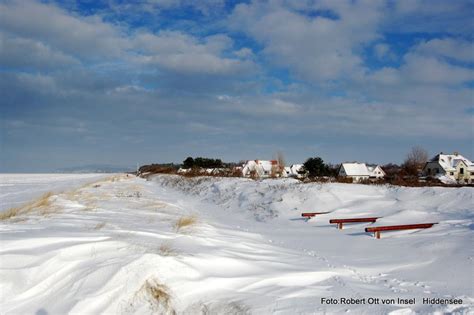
(17,189)
(355,169)
(295,170)
(109,247)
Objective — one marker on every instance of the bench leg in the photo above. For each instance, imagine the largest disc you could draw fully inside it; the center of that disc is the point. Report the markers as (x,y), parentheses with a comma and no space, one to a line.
(339,226)
(377,234)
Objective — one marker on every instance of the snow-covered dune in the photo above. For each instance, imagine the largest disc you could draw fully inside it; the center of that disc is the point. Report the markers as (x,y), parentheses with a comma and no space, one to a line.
(17,189)
(235,246)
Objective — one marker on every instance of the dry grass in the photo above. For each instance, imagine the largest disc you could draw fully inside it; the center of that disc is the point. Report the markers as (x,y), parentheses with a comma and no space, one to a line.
(154,205)
(84,198)
(159,297)
(43,204)
(99,226)
(184,222)
(217,308)
(167,250)
(10,213)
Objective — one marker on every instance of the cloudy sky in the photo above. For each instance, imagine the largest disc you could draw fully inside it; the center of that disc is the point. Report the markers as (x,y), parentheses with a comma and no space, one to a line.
(110,82)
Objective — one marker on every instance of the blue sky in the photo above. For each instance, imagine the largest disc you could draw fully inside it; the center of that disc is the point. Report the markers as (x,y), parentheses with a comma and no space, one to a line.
(118,82)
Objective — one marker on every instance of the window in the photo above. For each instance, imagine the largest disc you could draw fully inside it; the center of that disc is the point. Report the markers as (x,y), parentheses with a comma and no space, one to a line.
(451,173)
(461,170)
(437,170)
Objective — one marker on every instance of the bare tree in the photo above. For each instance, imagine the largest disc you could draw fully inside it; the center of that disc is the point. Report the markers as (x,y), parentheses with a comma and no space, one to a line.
(415,160)
(281,162)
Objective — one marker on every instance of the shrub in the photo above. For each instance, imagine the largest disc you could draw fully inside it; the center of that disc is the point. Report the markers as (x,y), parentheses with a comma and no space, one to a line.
(316,167)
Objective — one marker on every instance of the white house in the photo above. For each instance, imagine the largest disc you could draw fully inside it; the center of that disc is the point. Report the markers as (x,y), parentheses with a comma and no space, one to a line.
(375,171)
(295,170)
(260,168)
(360,171)
(454,167)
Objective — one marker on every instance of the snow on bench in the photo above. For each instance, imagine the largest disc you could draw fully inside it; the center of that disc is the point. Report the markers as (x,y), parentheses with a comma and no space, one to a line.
(311,214)
(340,222)
(376,230)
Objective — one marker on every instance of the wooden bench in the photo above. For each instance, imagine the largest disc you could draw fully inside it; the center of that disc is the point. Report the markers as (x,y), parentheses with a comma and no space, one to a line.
(377,229)
(309,215)
(340,222)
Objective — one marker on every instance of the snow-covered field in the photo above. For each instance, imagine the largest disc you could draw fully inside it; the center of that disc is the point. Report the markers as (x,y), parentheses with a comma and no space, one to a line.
(233,246)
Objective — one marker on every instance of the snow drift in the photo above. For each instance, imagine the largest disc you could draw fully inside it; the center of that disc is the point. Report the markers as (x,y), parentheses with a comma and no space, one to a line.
(236,246)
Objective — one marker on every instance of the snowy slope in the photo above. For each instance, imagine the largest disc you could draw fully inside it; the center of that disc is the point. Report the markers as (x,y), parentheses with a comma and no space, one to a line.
(114,248)
(17,189)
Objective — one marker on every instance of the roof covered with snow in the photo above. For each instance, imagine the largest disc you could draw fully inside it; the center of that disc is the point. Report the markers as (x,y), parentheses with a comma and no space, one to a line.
(451,161)
(355,169)
(260,166)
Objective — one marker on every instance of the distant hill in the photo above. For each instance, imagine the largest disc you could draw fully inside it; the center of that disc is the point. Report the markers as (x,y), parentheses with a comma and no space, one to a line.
(96,168)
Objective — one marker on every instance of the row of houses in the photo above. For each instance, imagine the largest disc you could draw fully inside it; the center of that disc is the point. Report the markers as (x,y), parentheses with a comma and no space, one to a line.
(449,168)
(264,169)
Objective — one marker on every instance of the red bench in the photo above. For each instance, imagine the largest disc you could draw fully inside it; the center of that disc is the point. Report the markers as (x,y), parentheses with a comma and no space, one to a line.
(309,215)
(376,230)
(340,222)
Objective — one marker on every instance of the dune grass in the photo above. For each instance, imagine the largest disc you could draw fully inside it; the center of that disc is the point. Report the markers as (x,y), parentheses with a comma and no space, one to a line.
(185,222)
(159,297)
(99,226)
(43,204)
(167,250)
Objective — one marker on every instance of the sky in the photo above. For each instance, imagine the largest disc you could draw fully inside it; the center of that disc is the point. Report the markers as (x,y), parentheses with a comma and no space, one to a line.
(152,81)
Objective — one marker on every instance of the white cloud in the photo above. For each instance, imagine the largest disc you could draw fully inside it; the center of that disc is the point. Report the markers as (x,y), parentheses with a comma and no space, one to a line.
(315,49)
(206,7)
(457,49)
(420,69)
(430,16)
(430,70)
(29,53)
(258,106)
(183,53)
(55,36)
(87,37)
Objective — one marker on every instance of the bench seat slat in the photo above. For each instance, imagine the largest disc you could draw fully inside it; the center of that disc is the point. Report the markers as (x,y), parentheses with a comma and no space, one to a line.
(373,219)
(399,227)
(312,214)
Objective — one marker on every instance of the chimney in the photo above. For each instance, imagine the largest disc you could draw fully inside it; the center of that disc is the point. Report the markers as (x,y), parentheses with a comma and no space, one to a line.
(456,153)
